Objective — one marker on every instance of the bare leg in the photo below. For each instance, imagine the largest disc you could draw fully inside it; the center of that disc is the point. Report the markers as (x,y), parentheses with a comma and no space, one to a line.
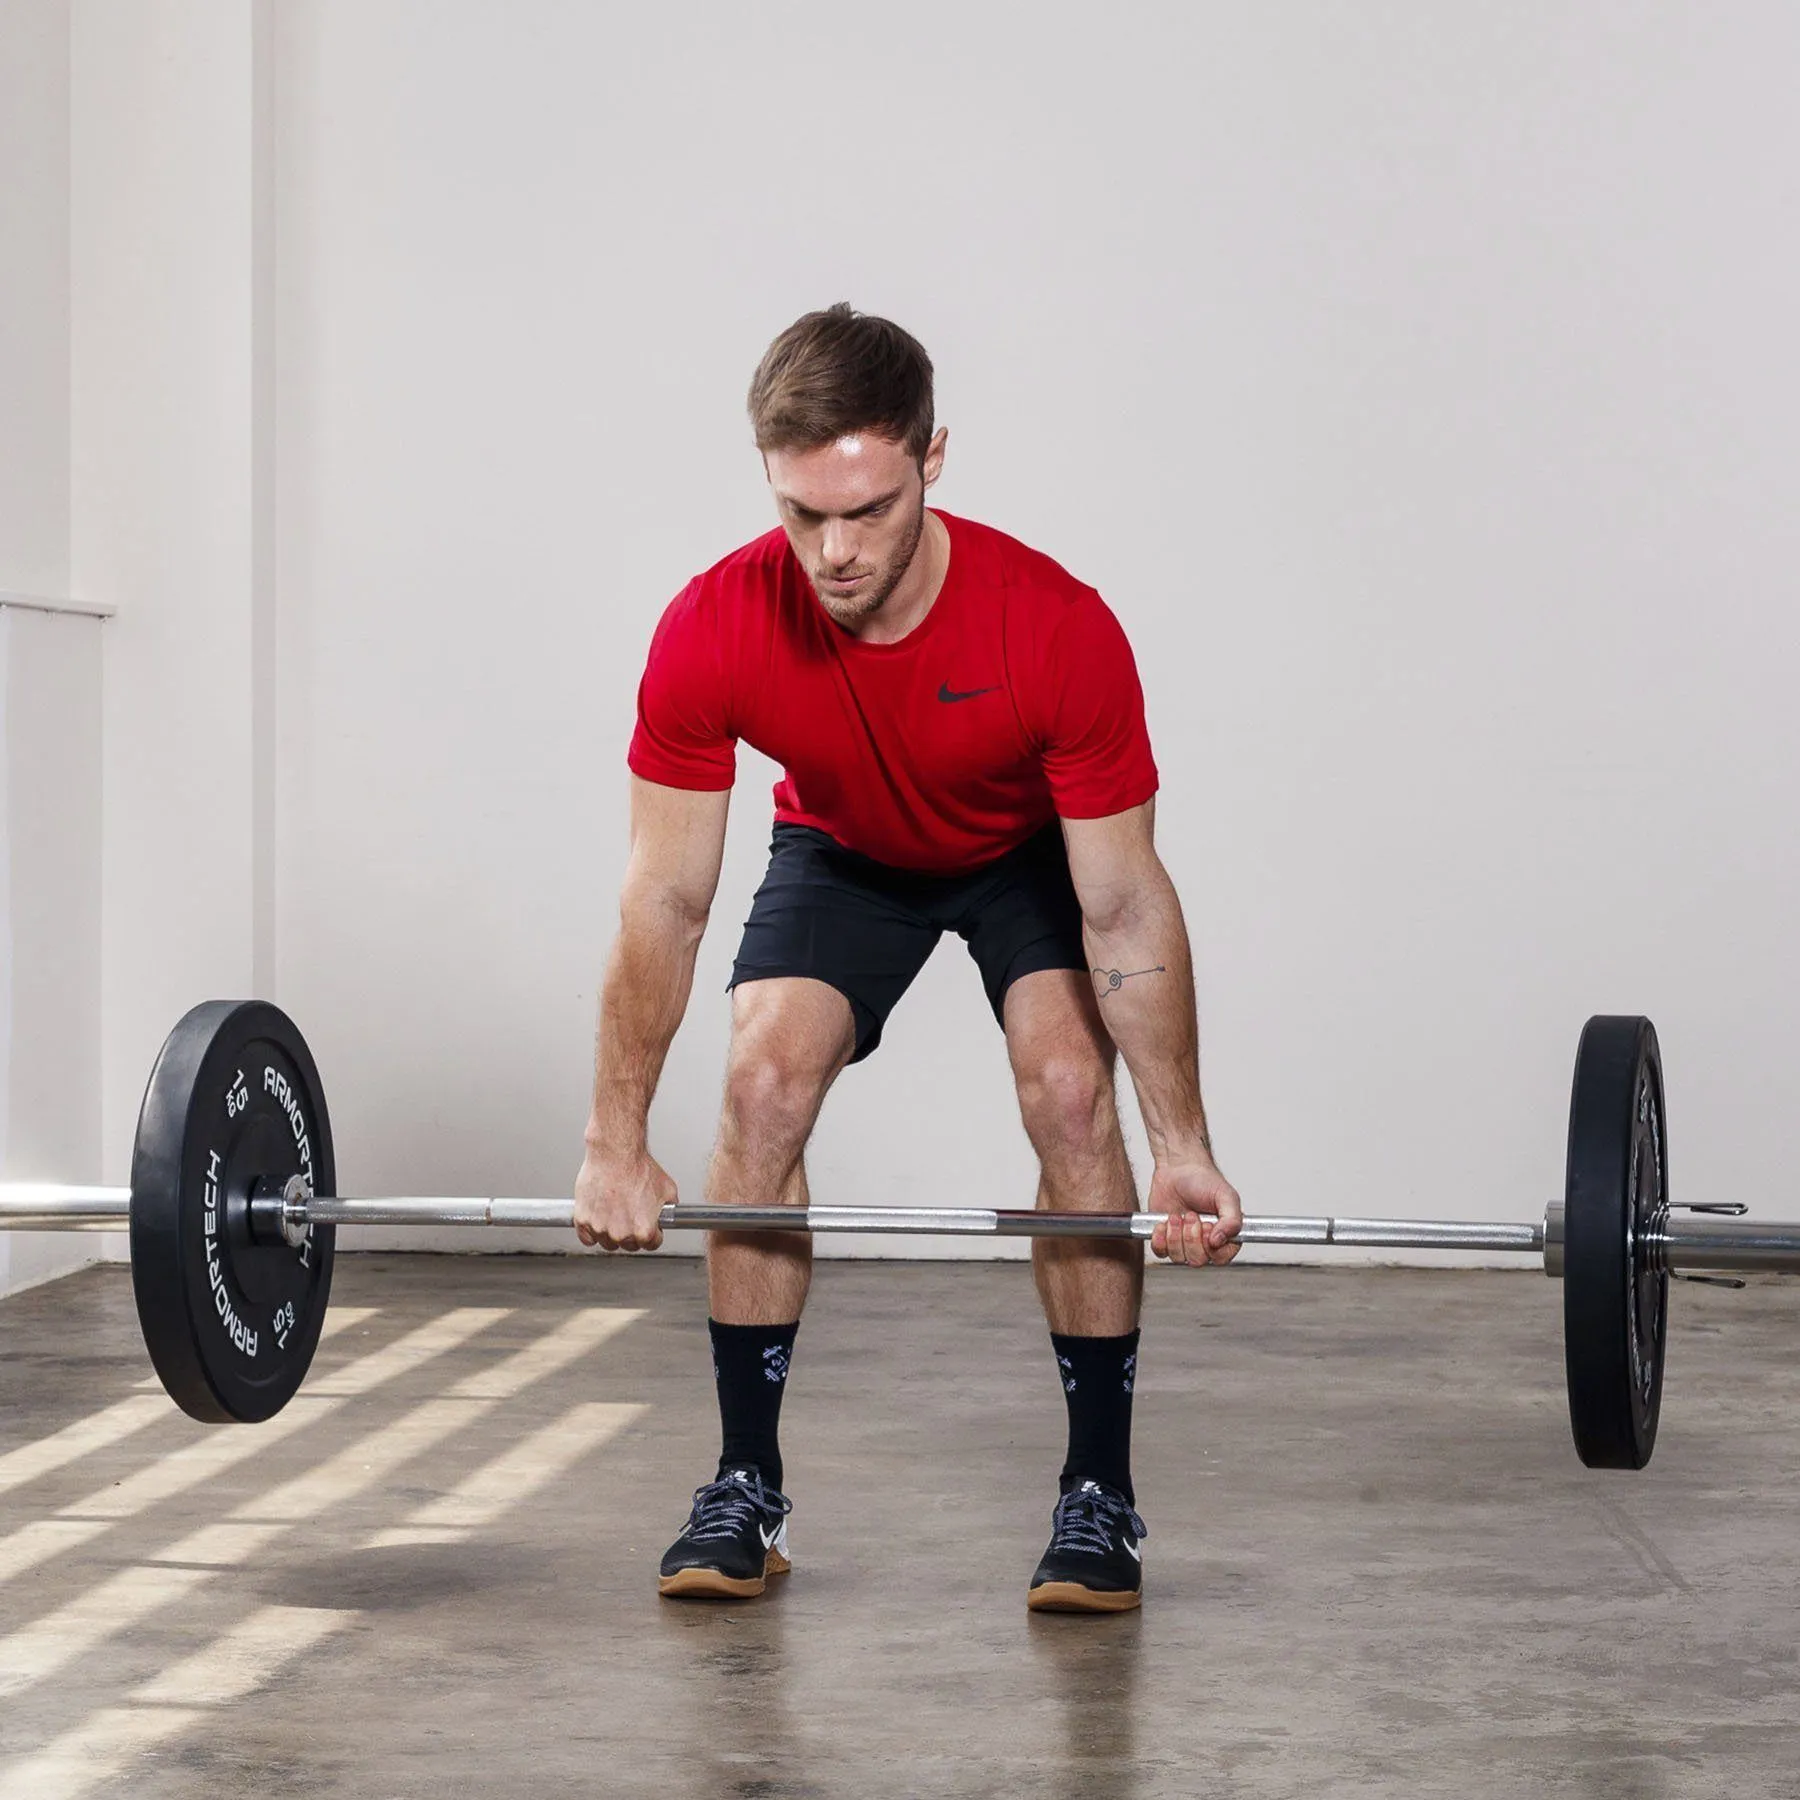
(789,1039)
(1063,1064)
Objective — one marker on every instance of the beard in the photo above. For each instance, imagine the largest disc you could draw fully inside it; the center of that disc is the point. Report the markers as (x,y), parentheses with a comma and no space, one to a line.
(852,610)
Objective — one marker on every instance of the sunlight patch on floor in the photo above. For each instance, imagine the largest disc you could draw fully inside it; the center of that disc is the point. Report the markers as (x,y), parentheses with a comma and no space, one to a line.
(521,1470)
(38,1650)
(207,1458)
(100,1431)
(236,1664)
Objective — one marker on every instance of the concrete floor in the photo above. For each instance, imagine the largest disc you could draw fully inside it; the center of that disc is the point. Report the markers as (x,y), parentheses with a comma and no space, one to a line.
(1375,1566)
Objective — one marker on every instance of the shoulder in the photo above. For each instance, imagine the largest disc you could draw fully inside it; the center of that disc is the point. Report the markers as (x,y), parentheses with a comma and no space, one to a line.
(1031,578)
(753,571)
(736,589)
(1052,616)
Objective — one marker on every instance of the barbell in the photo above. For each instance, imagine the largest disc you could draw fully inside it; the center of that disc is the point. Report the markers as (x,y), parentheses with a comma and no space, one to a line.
(232,1212)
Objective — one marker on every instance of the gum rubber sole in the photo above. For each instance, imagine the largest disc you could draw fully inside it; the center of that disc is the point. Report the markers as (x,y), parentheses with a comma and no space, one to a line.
(709,1584)
(1071,1596)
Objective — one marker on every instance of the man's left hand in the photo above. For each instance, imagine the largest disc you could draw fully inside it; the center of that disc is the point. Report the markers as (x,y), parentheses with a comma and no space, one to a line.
(1204,1214)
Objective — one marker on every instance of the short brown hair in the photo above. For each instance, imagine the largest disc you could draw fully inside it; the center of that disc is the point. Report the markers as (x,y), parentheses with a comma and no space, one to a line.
(837,372)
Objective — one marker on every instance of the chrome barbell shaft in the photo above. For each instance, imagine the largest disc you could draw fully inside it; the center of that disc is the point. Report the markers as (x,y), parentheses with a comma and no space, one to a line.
(1695,1242)
(300,1211)
(1257,1229)
(48,1208)
(954,1221)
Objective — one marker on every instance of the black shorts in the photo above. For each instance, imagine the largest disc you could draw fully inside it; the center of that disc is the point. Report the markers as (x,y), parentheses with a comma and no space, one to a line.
(866,928)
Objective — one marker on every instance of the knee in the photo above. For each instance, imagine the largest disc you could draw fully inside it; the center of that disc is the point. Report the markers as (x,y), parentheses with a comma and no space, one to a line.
(769,1095)
(1067,1103)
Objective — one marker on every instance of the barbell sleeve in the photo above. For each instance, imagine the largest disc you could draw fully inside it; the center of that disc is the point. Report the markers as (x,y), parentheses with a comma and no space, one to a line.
(41,1206)
(1700,1243)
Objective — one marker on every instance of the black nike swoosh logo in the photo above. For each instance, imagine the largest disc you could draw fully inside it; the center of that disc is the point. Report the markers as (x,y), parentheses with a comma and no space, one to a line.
(944,693)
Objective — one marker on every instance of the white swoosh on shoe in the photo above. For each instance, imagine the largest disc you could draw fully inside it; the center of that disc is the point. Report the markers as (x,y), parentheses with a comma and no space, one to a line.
(1133,1551)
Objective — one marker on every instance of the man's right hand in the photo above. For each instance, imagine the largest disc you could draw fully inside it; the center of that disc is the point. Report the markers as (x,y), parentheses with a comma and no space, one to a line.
(617,1199)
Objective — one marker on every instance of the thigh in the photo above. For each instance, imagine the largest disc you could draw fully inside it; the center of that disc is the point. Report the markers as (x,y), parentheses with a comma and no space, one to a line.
(820,917)
(804,1029)
(1024,918)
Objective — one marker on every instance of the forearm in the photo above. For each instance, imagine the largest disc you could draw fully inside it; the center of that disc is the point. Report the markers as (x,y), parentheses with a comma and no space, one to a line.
(1143,976)
(649,976)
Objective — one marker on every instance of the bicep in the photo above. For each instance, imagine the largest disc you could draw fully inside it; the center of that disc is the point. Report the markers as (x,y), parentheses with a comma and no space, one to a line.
(677,846)
(1113,862)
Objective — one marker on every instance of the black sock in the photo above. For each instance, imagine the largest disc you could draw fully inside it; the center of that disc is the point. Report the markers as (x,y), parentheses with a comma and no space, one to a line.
(1097,1375)
(750,1365)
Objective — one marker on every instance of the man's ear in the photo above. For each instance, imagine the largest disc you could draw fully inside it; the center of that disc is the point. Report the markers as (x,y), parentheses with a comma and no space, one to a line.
(932,465)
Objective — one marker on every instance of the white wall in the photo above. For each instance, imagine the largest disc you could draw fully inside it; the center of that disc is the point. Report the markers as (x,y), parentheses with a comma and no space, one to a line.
(169,507)
(34,297)
(50,1015)
(49,667)
(1416,382)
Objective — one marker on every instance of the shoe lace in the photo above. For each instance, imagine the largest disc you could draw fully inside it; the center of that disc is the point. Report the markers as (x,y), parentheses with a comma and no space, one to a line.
(1088,1515)
(724,1507)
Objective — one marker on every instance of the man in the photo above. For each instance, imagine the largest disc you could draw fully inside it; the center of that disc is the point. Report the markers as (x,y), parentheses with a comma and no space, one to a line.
(962,735)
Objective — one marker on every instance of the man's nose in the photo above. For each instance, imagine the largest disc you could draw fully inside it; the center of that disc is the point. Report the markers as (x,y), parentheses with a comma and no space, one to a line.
(840,544)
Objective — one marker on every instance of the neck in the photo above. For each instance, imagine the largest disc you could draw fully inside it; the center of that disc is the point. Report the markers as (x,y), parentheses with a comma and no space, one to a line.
(918,588)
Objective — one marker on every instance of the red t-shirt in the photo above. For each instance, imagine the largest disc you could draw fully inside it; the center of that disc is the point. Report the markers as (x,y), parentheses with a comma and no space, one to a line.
(1013,701)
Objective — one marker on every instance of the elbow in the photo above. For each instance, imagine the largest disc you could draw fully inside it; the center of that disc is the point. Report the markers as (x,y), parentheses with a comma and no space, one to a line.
(1108,916)
(667,912)
(1128,909)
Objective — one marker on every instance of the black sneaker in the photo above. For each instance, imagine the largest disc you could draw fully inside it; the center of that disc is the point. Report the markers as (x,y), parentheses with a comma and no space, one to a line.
(736,1535)
(1095,1562)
